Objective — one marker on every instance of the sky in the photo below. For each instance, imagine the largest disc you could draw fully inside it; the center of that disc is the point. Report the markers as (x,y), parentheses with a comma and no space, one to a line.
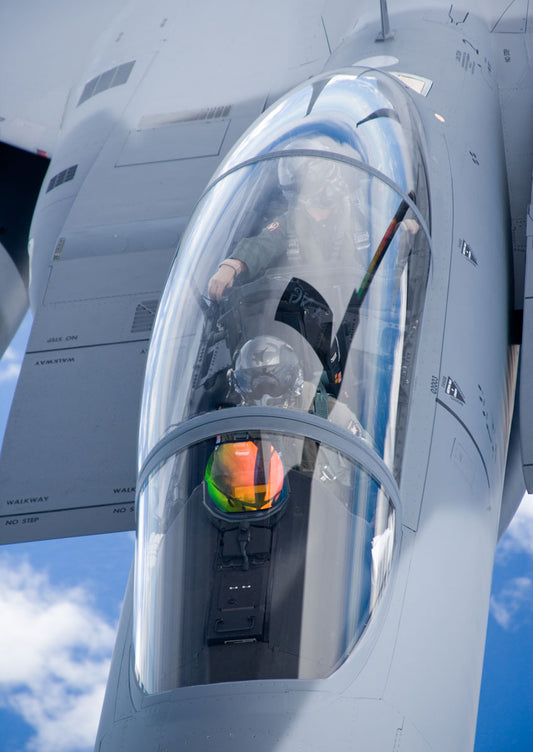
(60,603)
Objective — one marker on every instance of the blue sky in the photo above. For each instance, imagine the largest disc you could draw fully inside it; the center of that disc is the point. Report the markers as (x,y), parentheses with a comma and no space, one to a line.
(505,719)
(59,607)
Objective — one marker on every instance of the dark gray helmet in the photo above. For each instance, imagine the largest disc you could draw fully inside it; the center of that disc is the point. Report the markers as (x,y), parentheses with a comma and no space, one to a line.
(267,372)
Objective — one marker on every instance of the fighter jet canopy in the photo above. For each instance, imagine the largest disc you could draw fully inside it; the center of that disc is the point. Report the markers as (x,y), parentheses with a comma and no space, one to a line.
(277,393)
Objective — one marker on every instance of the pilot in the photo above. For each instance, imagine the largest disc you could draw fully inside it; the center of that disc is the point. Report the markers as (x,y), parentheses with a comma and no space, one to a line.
(267,373)
(326,224)
(322,225)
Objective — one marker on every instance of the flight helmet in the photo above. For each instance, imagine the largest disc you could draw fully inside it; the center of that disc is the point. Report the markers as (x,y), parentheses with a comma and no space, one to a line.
(267,372)
(245,477)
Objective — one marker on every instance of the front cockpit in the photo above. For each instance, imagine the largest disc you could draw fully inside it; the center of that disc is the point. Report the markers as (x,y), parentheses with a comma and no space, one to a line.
(277,393)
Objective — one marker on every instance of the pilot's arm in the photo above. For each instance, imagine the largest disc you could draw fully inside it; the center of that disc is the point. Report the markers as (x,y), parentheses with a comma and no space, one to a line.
(411,225)
(252,255)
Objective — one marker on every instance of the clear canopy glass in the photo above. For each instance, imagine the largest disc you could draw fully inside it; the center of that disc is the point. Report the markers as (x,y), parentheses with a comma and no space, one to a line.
(298,289)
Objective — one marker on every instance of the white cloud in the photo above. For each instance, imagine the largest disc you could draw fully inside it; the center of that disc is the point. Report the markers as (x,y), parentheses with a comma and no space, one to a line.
(11,360)
(511,604)
(10,366)
(519,535)
(54,659)
(513,599)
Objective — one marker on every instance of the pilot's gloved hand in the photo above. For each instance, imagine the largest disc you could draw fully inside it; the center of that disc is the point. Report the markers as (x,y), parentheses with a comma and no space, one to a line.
(411,225)
(224,278)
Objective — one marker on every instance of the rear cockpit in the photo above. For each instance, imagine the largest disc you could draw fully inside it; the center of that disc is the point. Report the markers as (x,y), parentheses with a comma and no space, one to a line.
(277,393)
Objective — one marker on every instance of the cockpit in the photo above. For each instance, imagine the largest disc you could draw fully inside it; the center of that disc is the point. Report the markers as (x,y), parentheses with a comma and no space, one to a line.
(277,393)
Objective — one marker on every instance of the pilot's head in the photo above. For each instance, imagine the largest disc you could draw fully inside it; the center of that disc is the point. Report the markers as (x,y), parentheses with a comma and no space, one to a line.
(267,373)
(245,477)
(310,180)
(316,181)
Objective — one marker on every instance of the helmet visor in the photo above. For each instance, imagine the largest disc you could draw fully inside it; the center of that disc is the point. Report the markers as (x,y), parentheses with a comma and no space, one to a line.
(245,476)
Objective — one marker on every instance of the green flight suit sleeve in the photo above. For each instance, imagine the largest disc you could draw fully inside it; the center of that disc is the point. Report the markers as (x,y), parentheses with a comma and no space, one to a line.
(264,250)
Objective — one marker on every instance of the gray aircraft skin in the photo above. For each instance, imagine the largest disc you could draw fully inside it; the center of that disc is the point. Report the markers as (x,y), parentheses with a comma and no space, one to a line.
(316,522)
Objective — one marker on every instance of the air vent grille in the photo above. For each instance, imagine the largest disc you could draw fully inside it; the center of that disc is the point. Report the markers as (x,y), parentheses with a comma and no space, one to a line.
(107,80)
(62,177)
(143,320)
(208,113)
(186,116)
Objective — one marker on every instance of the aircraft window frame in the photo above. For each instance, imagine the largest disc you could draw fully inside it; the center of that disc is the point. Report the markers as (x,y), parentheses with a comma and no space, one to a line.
(334,156)
(269,419)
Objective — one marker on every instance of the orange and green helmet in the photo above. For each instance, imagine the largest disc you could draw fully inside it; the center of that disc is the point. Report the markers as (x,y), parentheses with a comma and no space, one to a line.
(245,476)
